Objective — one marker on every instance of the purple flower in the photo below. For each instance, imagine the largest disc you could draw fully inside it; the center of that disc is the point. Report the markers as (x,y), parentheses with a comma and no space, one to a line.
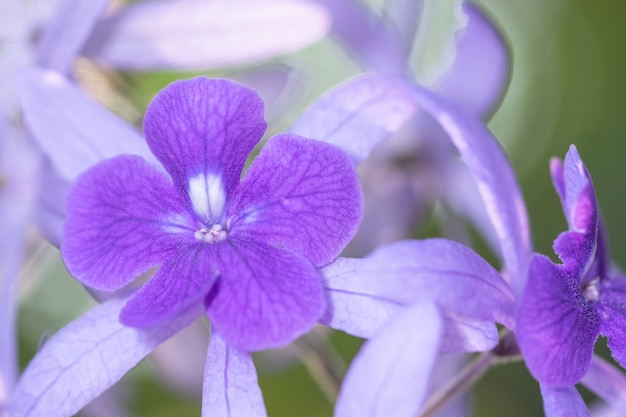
(566,306)
(244,251)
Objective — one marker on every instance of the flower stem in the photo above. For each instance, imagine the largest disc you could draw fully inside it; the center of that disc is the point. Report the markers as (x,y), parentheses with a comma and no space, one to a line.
(323,363)
(460,384)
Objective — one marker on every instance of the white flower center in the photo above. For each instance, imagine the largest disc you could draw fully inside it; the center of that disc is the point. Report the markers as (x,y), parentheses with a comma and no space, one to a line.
(591,290)
(216,233)
(208,196)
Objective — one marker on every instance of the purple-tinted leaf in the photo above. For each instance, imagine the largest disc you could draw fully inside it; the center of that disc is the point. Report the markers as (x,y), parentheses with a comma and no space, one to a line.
(71,129)
(388,377)
(556,326)
(302,185)
(352,307)
(481,71)
(66,33)
(372,41)
(199,34)
(85,358)
(612,311)
(358,115)
(123,218)
(183,280)
(441,271)
(265,297)
(563,402)
(202,130)
(230,383)
(607,382)
(494,177)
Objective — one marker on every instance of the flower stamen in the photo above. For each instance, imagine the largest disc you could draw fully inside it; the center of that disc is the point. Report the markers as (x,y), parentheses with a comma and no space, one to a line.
(216,233)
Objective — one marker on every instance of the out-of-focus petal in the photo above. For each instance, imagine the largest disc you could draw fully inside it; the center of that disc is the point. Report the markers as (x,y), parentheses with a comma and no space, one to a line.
(441,271)
(607,382)
(19,167)
(230,383)
(71,129)
(372,41)
(358,115)
(123,218)
(50,208)
(299,194)
(387,377)
(463,334)
(85,358)
(563,402)
(492,172)
(351,307)
(67,31)
(183,280)
(202,130)
(406,15)
(200,34)
(265,297)
(481,71)
(556,326)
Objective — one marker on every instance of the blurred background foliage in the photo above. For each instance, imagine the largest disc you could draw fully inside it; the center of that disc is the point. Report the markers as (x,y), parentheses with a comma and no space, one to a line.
(567,86)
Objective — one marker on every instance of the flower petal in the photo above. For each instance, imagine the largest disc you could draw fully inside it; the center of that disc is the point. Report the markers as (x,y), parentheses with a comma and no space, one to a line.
(563,402)
(202,130)
(463,334)
(490,168)
(71,129)
(266,296)
(50,211)
(371,41)
(351,307)
(302,185)
(441,271)
(606,382)
(387,377)
(67,31)
(612,312)
(123,217)
(406,15)
(556,326)
(184,279)
(230,383)
(481,71)
(85,358)
(357,115)
(200,34)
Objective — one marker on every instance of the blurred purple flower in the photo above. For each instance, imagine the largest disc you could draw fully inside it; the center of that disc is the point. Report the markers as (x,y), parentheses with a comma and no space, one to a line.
(565,307)
(407,174)
(234,242)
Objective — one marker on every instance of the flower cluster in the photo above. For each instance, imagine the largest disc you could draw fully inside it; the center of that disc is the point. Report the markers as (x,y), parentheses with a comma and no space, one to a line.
(266,240)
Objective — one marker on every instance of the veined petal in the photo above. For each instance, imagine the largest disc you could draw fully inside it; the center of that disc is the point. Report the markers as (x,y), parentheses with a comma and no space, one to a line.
(85,358)
(387,377)
(481,71)
(123,218)
(71,129)
(490,168)
(358,115)
(463,334)
(230,383)
(184,279)
(299,194)
(351,307)
(563,402)
(265,297)
(440,271)
(556,326)
(67,31)
(606,382)
(200,34)
(202,130)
